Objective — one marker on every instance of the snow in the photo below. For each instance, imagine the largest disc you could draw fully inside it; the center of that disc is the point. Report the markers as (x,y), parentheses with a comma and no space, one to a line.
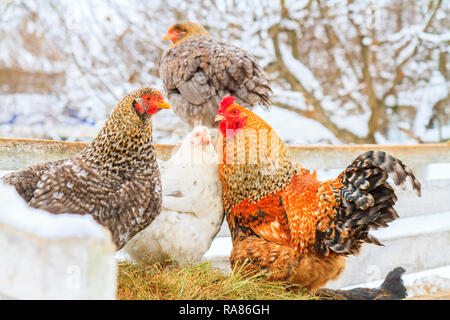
(297,130)
(122,256)
(438,171)
(16,213)
(435,37)
(302,73)
(3,172)
(405,227)
(220,247)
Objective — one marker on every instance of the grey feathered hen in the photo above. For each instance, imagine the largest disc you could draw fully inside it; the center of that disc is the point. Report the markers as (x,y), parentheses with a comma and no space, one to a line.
(199,70)
(115,178)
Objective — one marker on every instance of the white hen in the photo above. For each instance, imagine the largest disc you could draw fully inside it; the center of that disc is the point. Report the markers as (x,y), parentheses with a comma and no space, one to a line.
(192,210)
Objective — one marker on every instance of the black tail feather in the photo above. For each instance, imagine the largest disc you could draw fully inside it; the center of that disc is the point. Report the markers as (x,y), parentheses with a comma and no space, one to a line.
(366,201)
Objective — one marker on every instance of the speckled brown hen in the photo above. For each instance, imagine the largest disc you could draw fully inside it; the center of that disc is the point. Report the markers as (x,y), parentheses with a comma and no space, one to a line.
(284,221)
(115,178)
(199,70)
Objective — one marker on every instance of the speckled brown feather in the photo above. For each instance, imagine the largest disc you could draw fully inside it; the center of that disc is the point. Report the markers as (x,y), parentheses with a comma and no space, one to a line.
(286,222)
(199,70)
(115,178)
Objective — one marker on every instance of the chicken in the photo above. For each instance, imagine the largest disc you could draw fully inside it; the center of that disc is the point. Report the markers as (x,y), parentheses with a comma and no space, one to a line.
(198,70)
(192,210)
(115,178)
(285,221)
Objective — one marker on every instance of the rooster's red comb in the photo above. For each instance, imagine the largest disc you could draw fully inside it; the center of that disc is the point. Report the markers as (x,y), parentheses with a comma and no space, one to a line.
(225,103)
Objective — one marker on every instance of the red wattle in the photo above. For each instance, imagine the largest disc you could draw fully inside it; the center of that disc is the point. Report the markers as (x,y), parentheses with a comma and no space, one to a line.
(152,110)
(223,128)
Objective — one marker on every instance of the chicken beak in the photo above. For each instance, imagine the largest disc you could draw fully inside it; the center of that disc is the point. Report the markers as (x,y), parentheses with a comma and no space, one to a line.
(163,105)
(168,36)
(219,118)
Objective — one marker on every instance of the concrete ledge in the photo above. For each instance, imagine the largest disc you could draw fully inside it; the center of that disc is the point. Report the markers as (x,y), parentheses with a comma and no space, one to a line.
(17,153)
(432,201)
(44,256)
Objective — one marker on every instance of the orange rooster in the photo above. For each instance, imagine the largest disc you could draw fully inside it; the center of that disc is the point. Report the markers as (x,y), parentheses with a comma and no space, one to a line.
(282,219)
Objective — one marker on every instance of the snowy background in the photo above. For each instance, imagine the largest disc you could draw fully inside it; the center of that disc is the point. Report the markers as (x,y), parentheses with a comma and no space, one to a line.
(343,71)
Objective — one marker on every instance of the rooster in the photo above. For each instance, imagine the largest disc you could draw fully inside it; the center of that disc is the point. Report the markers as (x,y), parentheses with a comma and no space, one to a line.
(199,70)
(192,210)
(115,178)
(282,219)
